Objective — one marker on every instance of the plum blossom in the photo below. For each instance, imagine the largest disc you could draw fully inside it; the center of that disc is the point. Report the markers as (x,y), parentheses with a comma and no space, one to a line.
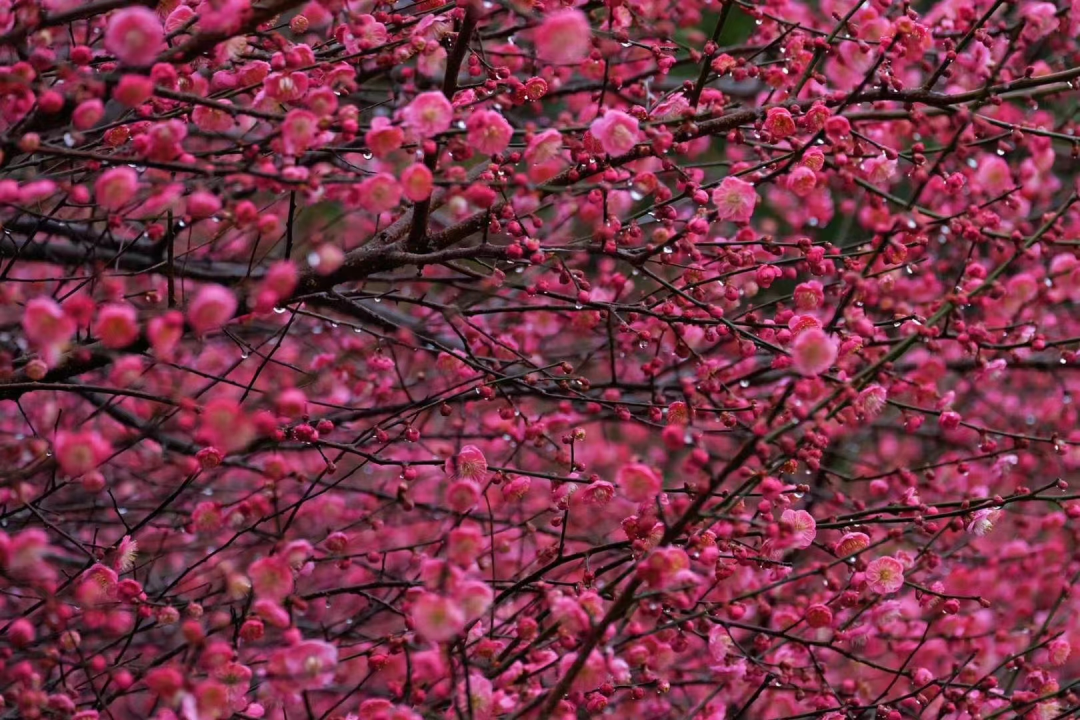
(734,199)
(488,132)
(307,665)
(616,132)
(429,114)
(135,35)
(813,352)
(885,575)
(437,618)
(802,525)
(564,37)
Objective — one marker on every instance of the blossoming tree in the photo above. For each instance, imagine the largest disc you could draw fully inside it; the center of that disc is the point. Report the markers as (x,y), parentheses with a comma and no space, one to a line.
(710,359)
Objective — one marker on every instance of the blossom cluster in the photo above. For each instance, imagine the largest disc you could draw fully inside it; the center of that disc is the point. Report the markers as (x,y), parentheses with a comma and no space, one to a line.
(377,360)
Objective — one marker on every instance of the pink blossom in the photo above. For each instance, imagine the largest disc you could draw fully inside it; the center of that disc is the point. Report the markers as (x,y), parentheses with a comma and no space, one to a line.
(809,295)
(735,200)
(134,90)
(271,578)
(983,521)
(212,307)
(203,204)
(597,493)
(544,147)
(488,132)
(212,119)
(88,113)
(117,325)
(437,618)
(638,482)
(851,544)
(1058,651)
(469,463)
(564,37)
(885,575)
(779,123)
(380,193)
(384,137)
(462,495)
(164,333)
(299,132)
(80,452)
(428,114)
(307,665)
(803,527)
(46,324)
(813,352)
(416,182)
(116,187)
(1040,19)
(802,181)
(135,35)
(616,132)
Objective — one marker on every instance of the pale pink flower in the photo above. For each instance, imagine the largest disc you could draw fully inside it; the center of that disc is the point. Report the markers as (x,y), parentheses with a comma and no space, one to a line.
(164,333)
(271,578)
(115,187)
(598,493)
(813,352)
(544,146)
(178,18)
(379,193)
(429,114)
(468,464)
(80,452)
(879,169)
(616,132)
(803,527)
(437,618)
(488,132)
(475,597)
(87,114)
(871,400)
(1040,19)
(801,181)
(203,204)
(885,575)
(307,665)
(212,120)
(665,567)
(135,35)
(982,522)
(299,131)
(852,543)
(462,495)
(212,307)
(384,137)
(46,324)
(720,643)
(1058,651)
(564,37)
(638,482)
(993,175)
(117,325)
(809,295)
(417,182)
(133,90)
(735,200)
